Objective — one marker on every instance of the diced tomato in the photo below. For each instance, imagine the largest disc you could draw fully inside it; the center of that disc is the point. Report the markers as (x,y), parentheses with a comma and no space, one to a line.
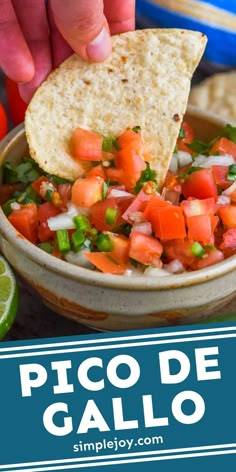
(227,214)
(7,190)
(211,257)
(224,146)
(155,203)
(214,222)
(97,171)
(114,174)
(98,211)
(229,239)
(86,145)
(138,204)
(104,262)
(188,138)
(171,182)
(199,228)
(133,140)
(179,249)
(200,184)
(25,220)
(120,251)
(168,222)
(220,176)
(45,211)
(233,196)
(145,249)
(86,192)
(64,191)
(39,186)
(132,165)
(195,206)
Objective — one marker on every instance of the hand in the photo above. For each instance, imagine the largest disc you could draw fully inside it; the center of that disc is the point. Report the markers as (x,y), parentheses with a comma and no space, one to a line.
(35,37)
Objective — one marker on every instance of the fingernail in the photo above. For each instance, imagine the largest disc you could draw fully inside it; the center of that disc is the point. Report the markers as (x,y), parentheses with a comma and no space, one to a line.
(99,49)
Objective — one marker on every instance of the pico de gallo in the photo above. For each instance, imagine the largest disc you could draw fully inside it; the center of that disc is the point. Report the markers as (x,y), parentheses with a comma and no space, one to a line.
(115,219)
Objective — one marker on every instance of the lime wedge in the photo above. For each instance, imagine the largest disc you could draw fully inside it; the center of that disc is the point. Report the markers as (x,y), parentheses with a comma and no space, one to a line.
(9,297)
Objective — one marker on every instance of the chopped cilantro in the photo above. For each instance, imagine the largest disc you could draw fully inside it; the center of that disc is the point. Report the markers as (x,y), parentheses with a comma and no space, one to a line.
(146,175)
(199,147)
(181,133)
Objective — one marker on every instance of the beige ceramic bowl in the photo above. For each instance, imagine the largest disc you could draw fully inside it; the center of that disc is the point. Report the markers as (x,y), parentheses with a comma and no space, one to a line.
(109,302)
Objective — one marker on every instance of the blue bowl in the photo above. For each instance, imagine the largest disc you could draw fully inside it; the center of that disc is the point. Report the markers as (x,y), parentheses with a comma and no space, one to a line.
(215,18)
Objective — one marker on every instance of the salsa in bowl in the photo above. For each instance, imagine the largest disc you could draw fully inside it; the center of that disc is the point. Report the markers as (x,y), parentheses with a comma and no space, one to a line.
(139,256)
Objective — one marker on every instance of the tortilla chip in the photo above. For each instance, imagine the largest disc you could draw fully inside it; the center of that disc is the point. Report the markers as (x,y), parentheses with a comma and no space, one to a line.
(145,82)
(217,94)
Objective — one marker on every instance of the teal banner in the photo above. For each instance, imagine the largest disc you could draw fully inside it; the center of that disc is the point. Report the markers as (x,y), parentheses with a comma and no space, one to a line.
(162,400)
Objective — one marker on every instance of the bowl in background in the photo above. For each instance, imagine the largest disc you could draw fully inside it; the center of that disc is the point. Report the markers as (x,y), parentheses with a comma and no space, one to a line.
(112,302)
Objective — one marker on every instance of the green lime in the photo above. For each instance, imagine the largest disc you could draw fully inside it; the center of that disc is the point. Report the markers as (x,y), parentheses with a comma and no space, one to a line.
(9,297)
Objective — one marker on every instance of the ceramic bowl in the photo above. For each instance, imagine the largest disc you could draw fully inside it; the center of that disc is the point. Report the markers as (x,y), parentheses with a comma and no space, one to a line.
(215,18)
(109,302)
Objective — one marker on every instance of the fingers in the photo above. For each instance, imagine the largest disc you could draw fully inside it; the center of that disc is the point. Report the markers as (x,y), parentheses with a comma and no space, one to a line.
(120,15)
(83,25)
(15,57)
(60,48)
(32,18)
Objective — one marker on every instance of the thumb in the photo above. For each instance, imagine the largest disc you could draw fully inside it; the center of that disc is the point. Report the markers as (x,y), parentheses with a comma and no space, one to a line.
(84,27)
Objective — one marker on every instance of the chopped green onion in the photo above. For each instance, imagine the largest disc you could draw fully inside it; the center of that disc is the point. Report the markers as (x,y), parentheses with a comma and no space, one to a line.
(82,223)
(197,250)
(111,215)
(104,190)
(108,143)
(47,247)
(209,246)
(232,173)
(77,240)
(104,243)
(63,240)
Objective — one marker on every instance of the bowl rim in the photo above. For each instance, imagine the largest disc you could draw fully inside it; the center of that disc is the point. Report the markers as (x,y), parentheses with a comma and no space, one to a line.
(91,277)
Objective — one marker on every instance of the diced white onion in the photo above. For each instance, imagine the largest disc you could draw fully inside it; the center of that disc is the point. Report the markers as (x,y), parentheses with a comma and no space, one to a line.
(136,217)
(15,206)
(184,158)
(174,267)
(223,200)
(63,220)
(173,164)
(203,161)
(144,227)
(114,193)
(229,190)
(79,259)
(155,272)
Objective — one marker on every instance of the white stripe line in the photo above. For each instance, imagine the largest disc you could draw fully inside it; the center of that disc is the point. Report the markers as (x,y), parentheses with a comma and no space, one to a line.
(116,339)
(116,346)
(128,461)
(120,456)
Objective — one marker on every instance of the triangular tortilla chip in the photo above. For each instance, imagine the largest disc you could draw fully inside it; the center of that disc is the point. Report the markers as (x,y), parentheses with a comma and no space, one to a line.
(145,82)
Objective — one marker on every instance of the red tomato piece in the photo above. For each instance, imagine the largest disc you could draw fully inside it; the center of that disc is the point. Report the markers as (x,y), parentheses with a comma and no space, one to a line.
(86,145)
(200,184)
(17,107)
(97,171)
(168,222)
(229,239)
(134,140)
(188,138)
(45,211)
(195,206)
(25,220)
(64,191)
(211,257)
(145,249)
(37,185)
(179,249)
(104,262)
(132,165)
(199,228)
(227,215)
(86,192)
(115,175)
(3,122)
(224,146)
(120,251)
(98,211)
(138,204)
(171,182)
(154,203)
(220,176)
